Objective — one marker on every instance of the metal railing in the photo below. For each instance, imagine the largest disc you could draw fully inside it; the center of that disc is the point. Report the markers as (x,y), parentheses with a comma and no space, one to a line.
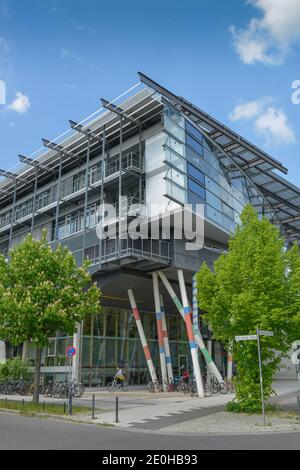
(143,248)
(70,186)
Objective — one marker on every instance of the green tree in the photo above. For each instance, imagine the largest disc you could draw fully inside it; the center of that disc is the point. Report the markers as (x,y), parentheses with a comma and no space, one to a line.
(255,285)
(14,369)
(42,291)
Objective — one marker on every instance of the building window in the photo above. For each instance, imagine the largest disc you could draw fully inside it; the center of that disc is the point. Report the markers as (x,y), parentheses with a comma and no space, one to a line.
(197,189)
(194,144)
(195,173)
(193,131)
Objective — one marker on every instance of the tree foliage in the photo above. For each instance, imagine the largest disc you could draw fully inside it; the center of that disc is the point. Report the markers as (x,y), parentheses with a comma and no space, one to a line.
(14,369)
(255,285)
(42,291)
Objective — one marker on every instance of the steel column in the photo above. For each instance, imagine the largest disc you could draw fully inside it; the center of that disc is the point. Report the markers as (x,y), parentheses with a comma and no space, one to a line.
(160,335)
(166,341)
(86,195)
(34,200)
(12,215)
(120,182)
(142,335)
(57,199)
(102,191)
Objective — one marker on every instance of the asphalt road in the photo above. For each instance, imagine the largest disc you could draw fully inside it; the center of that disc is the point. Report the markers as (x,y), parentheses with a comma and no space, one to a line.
(19,432)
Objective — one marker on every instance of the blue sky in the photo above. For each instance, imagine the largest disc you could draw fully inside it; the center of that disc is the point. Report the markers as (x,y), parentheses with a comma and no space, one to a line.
(236,60)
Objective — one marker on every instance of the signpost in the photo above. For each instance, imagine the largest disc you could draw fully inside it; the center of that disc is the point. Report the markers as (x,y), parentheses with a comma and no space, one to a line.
(70,353)
(257,337)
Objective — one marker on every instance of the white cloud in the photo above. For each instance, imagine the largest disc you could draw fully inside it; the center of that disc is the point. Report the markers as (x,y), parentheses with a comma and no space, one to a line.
(267,120)
(20,104)
(269,39)
(247,110)
(67,54)
(4,13)
(274,126)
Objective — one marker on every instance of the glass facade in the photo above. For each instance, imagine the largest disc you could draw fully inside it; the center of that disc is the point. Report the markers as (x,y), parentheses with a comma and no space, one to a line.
(195,174)
(109,339)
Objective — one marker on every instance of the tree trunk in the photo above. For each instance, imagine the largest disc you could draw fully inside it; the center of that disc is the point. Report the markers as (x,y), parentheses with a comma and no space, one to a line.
(38,359)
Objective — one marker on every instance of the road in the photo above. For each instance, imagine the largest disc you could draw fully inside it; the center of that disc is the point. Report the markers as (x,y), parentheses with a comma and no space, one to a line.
(19,432)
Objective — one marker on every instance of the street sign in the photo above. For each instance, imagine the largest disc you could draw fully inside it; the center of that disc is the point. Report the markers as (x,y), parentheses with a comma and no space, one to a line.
(245,337)
(70,351)
(265,333)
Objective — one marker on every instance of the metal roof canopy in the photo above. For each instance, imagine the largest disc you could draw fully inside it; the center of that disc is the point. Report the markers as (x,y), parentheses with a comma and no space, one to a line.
(143,110)
(283,196)
(244,152)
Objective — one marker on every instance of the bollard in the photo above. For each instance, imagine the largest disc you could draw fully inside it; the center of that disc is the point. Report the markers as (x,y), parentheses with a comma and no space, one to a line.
(117,409)
(23,402)
(93,406)
(65,407)
(70,402)
(6,402)
(43,406)
(298,401)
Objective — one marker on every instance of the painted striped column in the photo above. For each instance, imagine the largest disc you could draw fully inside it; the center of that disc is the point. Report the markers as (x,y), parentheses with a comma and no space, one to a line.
(197,334)
(195,304)
(166,340)
(142,334)
(229,364)
(189,329)
(160,335)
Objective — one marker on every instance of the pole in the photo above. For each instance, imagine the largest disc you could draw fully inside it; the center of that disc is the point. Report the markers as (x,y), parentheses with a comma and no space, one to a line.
(261,378)
(189,329)
(142,335)
(117,409)
(160,335)
(197,334)
(70,388)
(166,341)
(93,406)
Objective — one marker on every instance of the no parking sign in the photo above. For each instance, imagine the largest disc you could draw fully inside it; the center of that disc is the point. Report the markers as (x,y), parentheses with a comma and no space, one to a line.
(70,351)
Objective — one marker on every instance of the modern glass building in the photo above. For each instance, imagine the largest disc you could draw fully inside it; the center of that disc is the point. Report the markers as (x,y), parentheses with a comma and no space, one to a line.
(153,147)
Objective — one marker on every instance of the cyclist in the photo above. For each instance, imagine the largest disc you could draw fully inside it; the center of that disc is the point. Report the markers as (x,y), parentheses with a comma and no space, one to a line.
(185,375)
(119,376)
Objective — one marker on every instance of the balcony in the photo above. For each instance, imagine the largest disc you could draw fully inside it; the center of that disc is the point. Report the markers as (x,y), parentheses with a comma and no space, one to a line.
(72,188)
(141,253)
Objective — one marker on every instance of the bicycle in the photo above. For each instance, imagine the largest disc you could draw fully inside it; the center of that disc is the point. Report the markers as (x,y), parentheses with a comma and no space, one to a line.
(154,386)
(115,384)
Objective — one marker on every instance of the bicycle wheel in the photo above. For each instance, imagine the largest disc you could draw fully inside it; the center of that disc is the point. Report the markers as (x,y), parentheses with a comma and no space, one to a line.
(125,386)
(184,388)
(151,387)
(63,391)
(223,388)
(112,386)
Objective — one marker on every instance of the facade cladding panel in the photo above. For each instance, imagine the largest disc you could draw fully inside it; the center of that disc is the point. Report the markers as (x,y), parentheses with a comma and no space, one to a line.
(168,162)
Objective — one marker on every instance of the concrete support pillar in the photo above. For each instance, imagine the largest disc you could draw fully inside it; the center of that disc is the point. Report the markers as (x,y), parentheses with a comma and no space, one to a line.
(166,341)
(197,334)
(161,342)
(142,335)
(229,364)
(189,329)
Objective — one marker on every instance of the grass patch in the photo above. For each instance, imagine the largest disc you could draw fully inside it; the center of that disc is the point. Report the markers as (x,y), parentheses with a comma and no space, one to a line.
(51,408)
(235,407)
